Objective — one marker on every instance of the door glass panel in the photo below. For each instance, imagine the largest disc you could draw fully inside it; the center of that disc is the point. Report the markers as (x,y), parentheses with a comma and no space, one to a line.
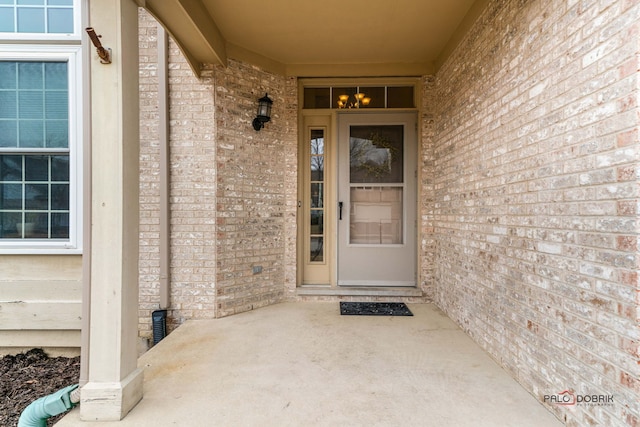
(376,216)
(317,195)
(317,144)
(317,222)
(376,154)
(376,211)
(316,192)
(317,168)
(317,249)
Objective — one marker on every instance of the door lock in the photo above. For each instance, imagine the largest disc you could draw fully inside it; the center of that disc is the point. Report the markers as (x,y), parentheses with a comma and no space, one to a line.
(340,211)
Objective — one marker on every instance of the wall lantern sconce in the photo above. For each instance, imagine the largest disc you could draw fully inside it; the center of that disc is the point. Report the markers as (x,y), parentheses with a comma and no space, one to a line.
(264,112)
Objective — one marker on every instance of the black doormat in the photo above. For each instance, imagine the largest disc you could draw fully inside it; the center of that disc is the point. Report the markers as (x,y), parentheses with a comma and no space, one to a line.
(374,309)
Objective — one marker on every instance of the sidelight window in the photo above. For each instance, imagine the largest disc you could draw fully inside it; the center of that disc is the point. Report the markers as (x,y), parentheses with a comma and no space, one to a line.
(317,193)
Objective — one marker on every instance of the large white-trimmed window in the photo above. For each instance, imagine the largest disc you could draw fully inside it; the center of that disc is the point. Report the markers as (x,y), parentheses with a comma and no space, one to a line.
(40,149)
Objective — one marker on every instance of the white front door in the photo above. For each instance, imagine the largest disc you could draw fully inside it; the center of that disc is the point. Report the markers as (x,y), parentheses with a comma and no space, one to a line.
(377,161)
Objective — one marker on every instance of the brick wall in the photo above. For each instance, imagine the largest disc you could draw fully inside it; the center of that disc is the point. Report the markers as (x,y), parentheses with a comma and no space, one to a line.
(536,198)
(427,246)
(231,187)
(149,262)
(192,189)
(290,162)
(254,186)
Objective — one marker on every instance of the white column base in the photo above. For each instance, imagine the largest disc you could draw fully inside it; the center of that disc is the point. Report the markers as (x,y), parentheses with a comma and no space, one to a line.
(110,401)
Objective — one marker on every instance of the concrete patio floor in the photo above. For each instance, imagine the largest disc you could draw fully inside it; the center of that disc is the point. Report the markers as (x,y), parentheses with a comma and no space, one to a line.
(303,364)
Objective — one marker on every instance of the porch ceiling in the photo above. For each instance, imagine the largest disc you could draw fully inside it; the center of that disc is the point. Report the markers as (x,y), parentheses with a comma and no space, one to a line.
(329,38)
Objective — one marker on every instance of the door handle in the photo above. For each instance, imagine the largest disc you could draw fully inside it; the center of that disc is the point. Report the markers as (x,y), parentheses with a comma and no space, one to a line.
(340,211)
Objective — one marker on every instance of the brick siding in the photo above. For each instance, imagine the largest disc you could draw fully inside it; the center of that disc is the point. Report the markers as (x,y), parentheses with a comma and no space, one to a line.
(149,261)
(426,189)
(192,189)
(536,198)
(231,187)
(528,197)
(252,192)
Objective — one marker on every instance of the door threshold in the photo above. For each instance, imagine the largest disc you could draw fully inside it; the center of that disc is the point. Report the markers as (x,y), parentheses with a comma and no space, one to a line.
(363,291)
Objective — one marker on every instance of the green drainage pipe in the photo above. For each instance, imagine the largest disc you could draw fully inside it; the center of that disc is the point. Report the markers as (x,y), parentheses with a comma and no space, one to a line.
(38,411)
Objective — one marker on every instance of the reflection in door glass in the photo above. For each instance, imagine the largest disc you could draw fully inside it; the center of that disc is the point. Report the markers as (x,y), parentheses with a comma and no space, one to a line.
(316,192)
(317,195)
(317,249)
(376,154)
(376,179)
(376,216)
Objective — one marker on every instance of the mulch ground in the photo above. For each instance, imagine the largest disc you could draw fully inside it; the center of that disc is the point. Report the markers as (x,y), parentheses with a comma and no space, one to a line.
(28,376)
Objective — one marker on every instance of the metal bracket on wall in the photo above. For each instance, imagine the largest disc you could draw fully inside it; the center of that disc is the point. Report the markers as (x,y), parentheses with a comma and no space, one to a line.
(103,53)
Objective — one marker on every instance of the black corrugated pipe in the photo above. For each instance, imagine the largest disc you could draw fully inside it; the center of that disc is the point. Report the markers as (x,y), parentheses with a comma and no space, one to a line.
(159,321)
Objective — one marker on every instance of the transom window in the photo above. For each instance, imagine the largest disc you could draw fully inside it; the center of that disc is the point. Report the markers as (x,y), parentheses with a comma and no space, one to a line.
(355,97)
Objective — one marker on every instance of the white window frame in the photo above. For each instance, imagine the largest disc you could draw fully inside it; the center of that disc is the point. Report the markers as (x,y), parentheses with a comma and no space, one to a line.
(73,56)
(76,36)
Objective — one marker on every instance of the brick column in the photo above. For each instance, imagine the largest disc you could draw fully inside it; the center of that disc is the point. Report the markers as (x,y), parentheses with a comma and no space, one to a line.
(114,383)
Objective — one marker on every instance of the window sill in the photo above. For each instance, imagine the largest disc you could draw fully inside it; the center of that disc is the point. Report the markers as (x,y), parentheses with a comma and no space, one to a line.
(40,250)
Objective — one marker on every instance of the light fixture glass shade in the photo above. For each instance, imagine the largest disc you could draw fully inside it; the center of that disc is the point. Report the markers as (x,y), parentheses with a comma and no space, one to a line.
(264,108)
(264,112)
